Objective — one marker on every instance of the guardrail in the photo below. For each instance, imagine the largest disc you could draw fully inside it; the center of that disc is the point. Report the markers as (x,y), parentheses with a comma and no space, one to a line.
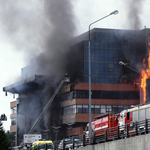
(104,135)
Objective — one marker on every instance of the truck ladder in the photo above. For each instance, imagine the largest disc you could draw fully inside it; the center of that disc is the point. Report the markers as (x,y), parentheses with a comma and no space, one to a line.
(66,79)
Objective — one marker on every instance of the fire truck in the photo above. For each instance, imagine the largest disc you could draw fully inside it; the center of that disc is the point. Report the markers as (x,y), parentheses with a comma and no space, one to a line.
(130,116)
(135,114)
(102,122)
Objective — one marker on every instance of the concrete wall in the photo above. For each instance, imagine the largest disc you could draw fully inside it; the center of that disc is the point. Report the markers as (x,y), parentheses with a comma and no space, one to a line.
(141,142)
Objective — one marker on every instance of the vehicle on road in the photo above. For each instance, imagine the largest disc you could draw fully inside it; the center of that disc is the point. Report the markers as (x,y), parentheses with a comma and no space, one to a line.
(101,122)
(42,145)
(132,115)
(69,144)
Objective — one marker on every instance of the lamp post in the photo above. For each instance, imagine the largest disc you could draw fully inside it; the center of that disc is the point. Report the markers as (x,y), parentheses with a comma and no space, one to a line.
(46,136)
(112,13)
(24,117)
(56,130)
(122,63)
(69,127)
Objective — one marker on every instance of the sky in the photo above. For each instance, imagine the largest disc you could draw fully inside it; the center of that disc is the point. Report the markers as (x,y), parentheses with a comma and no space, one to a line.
(18,43)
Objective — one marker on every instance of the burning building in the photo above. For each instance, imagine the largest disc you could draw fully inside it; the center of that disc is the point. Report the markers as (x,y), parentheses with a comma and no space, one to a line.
(114,87)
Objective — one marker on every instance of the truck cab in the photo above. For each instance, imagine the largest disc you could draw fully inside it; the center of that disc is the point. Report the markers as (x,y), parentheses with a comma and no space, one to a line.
(122,118)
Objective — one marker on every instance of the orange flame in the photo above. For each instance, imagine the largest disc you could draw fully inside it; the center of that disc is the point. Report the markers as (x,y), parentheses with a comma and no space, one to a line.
(145,74)
(144,64)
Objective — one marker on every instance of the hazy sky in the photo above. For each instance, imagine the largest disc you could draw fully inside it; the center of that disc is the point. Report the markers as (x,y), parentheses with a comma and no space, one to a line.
(17,44)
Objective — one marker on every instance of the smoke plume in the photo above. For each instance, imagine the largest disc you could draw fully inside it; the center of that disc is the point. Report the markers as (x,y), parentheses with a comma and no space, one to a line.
(132,43)
(43,31)
(134,10)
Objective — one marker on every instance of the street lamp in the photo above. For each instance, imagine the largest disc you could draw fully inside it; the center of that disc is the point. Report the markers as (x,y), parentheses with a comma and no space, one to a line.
(122,63)
(70,127)
(112,13)
(24,117)
(46,133)
(56,130)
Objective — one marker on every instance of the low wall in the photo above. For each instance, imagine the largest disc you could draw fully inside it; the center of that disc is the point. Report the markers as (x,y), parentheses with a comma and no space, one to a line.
(141,142)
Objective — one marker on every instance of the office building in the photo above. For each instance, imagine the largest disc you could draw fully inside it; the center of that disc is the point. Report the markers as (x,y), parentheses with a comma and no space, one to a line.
(114,87)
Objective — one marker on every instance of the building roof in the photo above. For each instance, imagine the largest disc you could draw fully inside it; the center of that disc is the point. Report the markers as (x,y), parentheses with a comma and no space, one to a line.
(29,84)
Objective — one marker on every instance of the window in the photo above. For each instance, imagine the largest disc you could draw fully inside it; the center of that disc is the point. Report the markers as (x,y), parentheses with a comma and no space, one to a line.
(114,109)
(111,67)
(69,110)
(85,109)
(74,109)
(96,94)
(13,110)
(108,109)
(92,109)
(97,108)
(111,53)
(82,94)
(79,108)
(103,109)
(128,115)
(70,96)
(104,94)
(13,121)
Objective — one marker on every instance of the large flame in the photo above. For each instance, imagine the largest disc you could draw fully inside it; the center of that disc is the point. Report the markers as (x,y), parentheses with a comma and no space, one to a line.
(145,74)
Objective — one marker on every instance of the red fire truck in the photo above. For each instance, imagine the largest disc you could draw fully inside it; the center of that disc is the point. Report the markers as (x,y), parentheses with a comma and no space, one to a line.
(107,121)
(102,122)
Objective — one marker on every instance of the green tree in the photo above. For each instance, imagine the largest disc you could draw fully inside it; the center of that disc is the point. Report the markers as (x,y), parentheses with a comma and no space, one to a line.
(5,143)
(11,137)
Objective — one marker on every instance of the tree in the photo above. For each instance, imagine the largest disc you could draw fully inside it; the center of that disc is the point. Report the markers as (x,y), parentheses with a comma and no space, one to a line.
(11,137)
(5,143)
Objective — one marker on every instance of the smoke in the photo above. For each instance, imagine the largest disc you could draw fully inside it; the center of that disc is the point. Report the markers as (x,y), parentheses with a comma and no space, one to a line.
(43,30)
(60,15)
(134,10)
(133,49)
(35,26)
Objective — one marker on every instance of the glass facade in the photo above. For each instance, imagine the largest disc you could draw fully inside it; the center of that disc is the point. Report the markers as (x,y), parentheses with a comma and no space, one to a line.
(94,109)
(104,58)
(84,94)
(108,47)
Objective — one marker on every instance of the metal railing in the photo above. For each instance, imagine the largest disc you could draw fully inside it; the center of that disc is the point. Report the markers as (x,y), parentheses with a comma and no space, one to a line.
(70,143)
(104,135)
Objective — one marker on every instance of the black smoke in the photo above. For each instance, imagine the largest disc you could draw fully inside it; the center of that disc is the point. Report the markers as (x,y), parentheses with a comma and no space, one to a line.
(43,30)
(133,49)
